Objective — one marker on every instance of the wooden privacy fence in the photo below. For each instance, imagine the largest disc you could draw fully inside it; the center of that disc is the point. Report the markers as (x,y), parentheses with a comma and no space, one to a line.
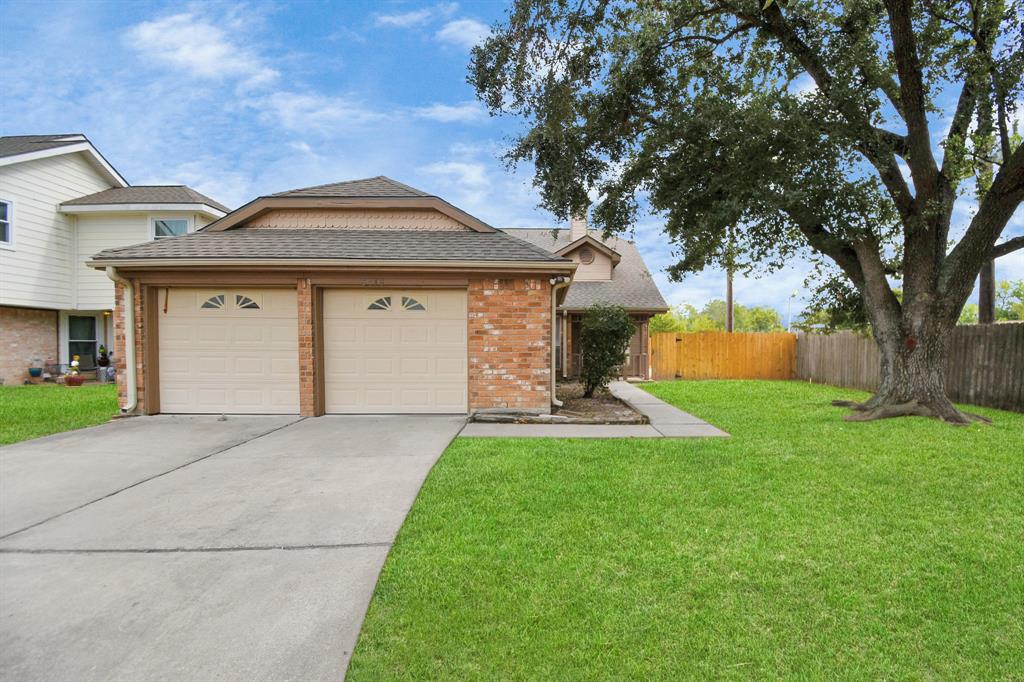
(986,363)
(721,355)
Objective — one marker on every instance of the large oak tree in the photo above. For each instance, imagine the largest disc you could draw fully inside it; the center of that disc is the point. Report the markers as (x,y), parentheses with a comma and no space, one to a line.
(848,129)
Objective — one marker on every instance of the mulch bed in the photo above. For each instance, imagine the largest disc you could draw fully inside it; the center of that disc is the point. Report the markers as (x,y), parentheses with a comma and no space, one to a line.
(602,408)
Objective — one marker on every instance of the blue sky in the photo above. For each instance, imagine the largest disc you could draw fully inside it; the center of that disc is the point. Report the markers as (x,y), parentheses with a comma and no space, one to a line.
(243,99)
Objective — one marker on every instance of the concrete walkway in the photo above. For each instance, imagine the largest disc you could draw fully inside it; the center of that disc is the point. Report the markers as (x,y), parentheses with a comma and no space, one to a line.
(189,548)
(667,421)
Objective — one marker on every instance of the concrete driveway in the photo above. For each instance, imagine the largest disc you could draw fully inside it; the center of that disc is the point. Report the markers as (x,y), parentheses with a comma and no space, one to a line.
(171,548)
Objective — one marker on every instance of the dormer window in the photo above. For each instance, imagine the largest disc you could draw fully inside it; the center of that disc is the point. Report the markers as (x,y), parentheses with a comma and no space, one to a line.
(169,227)
(586,255)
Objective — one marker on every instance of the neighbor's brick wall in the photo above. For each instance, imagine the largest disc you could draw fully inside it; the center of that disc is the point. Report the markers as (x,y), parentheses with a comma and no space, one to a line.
(28,337)
(510,343)
(140,345)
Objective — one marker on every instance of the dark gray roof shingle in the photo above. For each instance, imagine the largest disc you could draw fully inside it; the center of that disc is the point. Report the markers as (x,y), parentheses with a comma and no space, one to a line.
(340,245)
(631,286)
(13,145)
(148,194)
(379,186)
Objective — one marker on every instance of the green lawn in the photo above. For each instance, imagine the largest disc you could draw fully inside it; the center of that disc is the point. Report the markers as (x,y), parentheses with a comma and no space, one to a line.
(803,547)
(33,411)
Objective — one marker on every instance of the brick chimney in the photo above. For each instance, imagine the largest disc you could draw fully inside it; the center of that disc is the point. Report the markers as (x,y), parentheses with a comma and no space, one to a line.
(578,227)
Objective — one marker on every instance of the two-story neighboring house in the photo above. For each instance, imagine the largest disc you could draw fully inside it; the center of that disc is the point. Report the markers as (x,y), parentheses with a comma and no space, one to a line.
(61,202)
(609,271)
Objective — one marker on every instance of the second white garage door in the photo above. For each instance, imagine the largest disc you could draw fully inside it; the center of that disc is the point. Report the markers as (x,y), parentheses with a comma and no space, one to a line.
(395,351)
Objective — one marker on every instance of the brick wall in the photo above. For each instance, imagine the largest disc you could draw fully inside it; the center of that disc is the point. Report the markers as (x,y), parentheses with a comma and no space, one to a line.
(307,362)
(120,360)
(510,344)
(28,337)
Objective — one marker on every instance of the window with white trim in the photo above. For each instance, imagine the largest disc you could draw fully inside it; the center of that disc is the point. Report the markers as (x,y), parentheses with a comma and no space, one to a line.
(169,227)
(6,235)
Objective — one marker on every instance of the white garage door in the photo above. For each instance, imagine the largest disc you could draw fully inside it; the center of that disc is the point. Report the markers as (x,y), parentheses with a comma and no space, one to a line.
(233,351)
(393,351)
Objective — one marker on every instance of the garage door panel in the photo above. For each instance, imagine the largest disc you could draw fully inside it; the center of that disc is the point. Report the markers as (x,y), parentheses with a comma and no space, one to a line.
(229,359)
(398,359)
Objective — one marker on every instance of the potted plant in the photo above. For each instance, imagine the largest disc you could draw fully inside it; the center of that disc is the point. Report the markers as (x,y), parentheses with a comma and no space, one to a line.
(103,364)
(74,378)
(36,370)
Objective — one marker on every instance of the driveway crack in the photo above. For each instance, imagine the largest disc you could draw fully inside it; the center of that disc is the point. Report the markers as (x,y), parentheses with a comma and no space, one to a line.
(195,550)
(150,478)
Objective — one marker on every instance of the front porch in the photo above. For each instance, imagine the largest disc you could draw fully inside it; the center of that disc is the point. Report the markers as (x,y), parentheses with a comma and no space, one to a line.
(568,358)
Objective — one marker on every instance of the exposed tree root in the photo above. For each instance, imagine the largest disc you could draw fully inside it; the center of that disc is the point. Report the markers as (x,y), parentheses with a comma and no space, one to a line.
(867,411)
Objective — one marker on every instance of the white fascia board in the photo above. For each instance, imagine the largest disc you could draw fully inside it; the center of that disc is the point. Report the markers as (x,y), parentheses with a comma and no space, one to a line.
(205,209)
(84,146)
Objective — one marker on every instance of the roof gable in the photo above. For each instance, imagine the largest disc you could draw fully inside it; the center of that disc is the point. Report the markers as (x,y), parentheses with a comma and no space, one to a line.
(21,148)
(588,240)
(374,194)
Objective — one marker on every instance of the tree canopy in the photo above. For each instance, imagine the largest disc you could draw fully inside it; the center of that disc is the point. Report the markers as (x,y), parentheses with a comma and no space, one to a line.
(763,130)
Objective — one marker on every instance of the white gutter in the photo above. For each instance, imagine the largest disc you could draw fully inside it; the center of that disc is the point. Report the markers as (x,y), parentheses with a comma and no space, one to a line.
(557,283)
(129,341)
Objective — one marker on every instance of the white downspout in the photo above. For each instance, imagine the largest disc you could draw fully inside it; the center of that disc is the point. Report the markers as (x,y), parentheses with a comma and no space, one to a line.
(129,340)
(556,284)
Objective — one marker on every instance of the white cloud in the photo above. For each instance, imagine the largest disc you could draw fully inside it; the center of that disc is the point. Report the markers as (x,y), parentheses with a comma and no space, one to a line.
(196,45)
(466,174)
(464,112)
(463,32)
(416,17)
(405,19)
(305,112)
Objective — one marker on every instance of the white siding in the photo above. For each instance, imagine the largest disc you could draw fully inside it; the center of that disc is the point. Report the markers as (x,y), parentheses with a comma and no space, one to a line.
(98,232)
(39,270)
(107,231)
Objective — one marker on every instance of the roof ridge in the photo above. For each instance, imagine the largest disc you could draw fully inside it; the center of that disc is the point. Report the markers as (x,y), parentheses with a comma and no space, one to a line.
(348,183)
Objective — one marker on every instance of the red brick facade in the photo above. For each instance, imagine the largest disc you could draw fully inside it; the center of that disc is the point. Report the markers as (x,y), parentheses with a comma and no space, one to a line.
(307,355)
(510,344)
(28,338)
(120,361)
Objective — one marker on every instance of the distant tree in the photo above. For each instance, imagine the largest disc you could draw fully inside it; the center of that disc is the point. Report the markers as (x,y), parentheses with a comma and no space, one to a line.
(1010,301)
(605,332)
(762,129)
(686,318)
(969,315)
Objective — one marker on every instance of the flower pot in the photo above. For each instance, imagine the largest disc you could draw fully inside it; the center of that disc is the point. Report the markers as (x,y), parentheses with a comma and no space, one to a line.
(74,380)
(35,372)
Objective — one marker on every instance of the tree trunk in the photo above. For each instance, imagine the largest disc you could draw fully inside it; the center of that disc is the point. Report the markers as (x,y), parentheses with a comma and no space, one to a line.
(913,377)
(987,293)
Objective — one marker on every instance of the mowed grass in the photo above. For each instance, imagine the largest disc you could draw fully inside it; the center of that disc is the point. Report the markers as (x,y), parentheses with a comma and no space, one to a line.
(801,547)
(34,411)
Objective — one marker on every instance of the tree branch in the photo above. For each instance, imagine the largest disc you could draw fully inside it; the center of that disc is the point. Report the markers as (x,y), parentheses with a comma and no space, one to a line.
(977,244)
(912,93)
(1009,246)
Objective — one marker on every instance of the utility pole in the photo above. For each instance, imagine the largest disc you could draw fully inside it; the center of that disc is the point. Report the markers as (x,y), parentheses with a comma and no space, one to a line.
(987,292)
(728,300)
(728,282)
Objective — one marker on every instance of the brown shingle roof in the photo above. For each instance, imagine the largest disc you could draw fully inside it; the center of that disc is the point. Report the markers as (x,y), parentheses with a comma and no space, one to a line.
(379,186)
(631,286)
(340,245)
(147,194)
(13,145)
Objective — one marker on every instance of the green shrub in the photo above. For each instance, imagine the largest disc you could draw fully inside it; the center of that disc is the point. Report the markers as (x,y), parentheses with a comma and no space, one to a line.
(604,339)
